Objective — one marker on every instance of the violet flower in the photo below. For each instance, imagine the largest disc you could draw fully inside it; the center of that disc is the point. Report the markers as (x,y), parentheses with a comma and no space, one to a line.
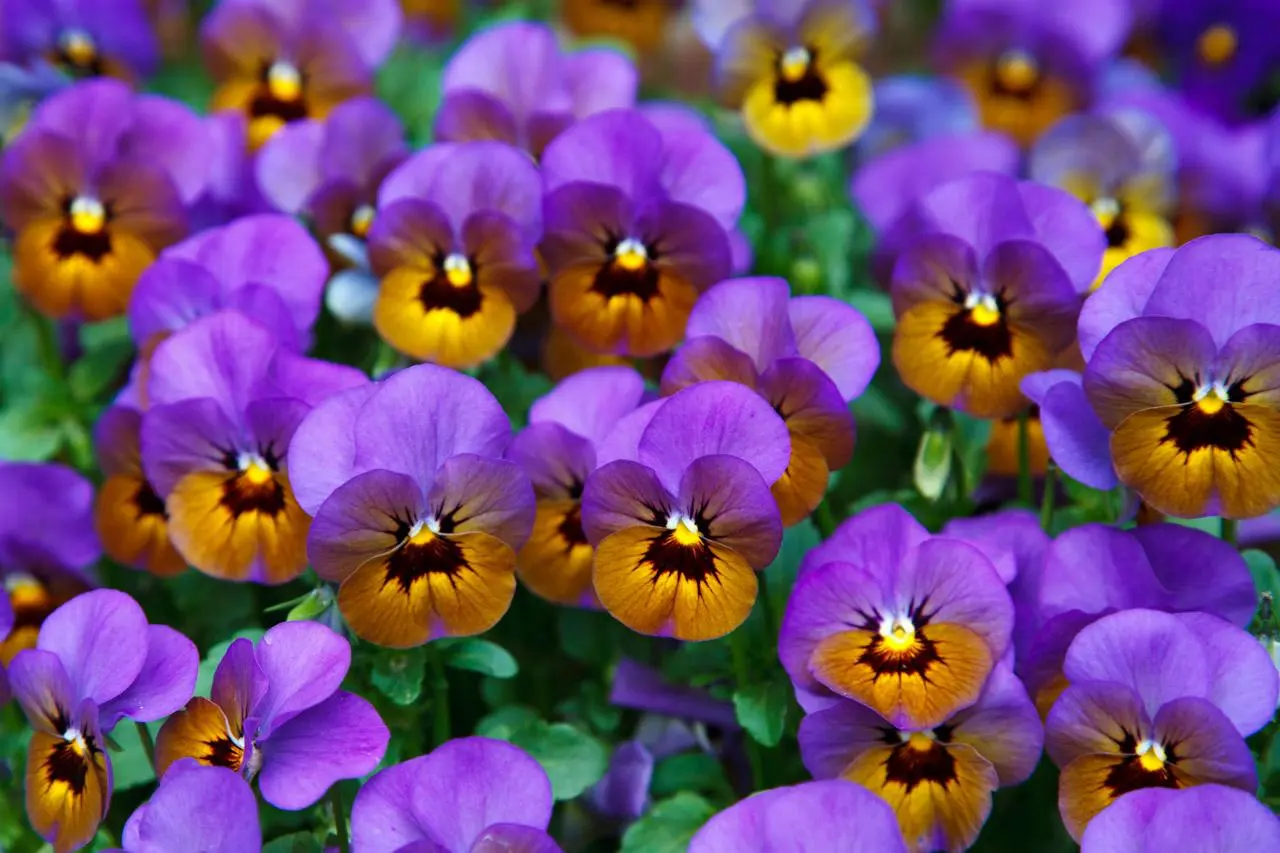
(96,662)
(275,713)
(1208,817)
(808,357)
(81,38)
(417,516)
(911,108)
(469,795)
(210,809)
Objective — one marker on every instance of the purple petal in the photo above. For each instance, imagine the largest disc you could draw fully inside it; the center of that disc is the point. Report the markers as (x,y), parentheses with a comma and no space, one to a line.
(1216,816)
(168,134)
(707,358)
(1091,717)
(698,170)
(1210,748)
(360,521)
(304,663)
(308,380)
(166,682)
(288,166)
(1078,442)
(622,494)
(1124,297)
(1068,229)
(624,790)
(94,113)
(623,441)
(46,518)
(1003,726)
(813,405)
(736,504)
(1094,569)
(1011,539)
(516,62)
(38,680)
(101,639)
(341,738)
(1242,678)
(749,314)
(1199,571)
(826,600)
(514,838)
(930,268)
(220,357)
(619,148)
(486,495)
(323,449)
(591,402)
(554,459)
(837,338)
(831,738)
(468,115)
(362,136)
(171,294)
(196,807)
(643,688)
(180,438)
(599,79)
(238,682)
(877,539)
(950,207)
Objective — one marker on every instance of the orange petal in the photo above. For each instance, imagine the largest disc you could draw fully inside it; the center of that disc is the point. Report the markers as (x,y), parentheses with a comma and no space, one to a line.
(624,323)
(802,485)
(199,731)
(556,561)
(641,23)
(1002,447)
(563,356)
(134,528)
(1091,782)
(67,791)
(77,286)
(441,335)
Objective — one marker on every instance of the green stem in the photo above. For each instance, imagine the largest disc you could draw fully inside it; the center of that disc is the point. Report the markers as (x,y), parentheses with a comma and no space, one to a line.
(742,676)
(441,727)
(1047,501)
(1228,533)
(148,745)
(339,820)
(1026,489)
(824,520)
(47,343)
(766,606)
(958,475)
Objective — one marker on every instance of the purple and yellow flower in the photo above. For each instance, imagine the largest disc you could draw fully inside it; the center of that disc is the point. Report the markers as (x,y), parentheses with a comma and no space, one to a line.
(417,515)
(94,188)
(81,38)
(558,451)
(195,807)
(987,289)
(808,357)
(681,515)
(469,794)
(812,817)
(513,84)
(939,779)
(1207,817)
(1156,700)
(907,624)
(640,23)
(453,245)
(275,714)
(638,212)
(793,70)
(225,398)
(96,662)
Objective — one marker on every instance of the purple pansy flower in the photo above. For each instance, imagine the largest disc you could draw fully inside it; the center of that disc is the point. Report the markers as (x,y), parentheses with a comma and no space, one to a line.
(911,108)
(813,817)
(469,795)
(195,807)
(275,713)
(82,38)
(417,516)
(681,516)
(96,662)
(1156,700)
(558,450)
(512,84)
(1206,817)
(643,688)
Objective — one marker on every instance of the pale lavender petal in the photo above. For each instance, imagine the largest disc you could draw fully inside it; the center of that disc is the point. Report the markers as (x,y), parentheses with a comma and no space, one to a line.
(220,357)
(623,441)
(1242,678)
(1218,817)
(323,449)
(837,338)
(304,663)
(1123,297)
(749,314)
(101,639)
(1077,440)
(591,402)
(877,539)
(164,685)
(196,807)
(288,166)
(514,838)
(619,148)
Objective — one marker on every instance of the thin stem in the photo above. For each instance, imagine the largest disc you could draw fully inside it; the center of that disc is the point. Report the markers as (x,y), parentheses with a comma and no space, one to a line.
(1228,533)
(148,745)
(766,606)
(742,676)
(958,475)
(1047,501)
(824,520)
(441,727)
(339,820)
(1026,489)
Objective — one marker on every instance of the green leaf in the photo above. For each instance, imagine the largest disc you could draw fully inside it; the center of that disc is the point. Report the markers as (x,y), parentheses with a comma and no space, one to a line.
(1266,578)
(481,656)
(688,771)
(399,675)
(98,370)
(129,766)
(294,842)
(797,541)
(506,721)
(876,306)
(573,759)
(669,825)
(761,709)
(29,433)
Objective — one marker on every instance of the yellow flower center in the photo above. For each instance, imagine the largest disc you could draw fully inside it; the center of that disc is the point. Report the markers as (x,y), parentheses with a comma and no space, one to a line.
(1151,756)
(795,64)
(684,530)
(1217,44)
(898,635)
(88,215)
(1105,210)
(422,534)
(631,255)
(1017,71)
(984,310)
(78,47)
(254,470)
(362,220)
(284,81)
(25,593)
(922,741)
(457,270)
(78,743)
(1212,399)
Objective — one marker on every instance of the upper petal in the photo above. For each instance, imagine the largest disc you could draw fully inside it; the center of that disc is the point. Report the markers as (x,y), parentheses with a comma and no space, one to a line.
(101,639)
(304,663)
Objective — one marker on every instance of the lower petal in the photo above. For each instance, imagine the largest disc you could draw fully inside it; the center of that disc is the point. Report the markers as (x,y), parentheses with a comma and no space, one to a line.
(455,338)
(624,323)
(68,788)
(200,731)
(556,561)
(77,286)
(134,528)
(802,486)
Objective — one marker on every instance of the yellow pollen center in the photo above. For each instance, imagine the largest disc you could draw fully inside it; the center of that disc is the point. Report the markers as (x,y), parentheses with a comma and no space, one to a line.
(74,737)
(257,474)
(362,220)
(1217,44)
(1151,756)
(283,81)
(920,741)
(1212,400)
(899,637)
(88,216)
(457,270)
(26,593)
(985,315)
(795,64)
(685,532)
(1017,72)
(78,47)
(422,536)
(631,255)
(1105,210)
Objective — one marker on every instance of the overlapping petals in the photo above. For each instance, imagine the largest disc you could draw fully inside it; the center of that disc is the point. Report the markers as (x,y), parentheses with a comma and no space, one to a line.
(196,807)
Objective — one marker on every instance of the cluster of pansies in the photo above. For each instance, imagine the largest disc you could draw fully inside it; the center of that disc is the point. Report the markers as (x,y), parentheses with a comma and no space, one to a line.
(360,343)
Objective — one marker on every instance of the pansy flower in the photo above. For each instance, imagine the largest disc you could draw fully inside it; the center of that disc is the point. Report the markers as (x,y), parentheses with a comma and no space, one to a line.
(467,795)
(280,61)
(808,357)
(683,518)
(1122,166)
(640,23)
(275,714)
(1156,700)
(558,450)
(81,38)
(1206,817)
(225,398)
(210,809)
(813,817)
(417,516)
(907,624)
(96,662)
(513,84)
(94,188)
(911,108)
(939,779)
(453,245)
(988,288)
(638,212)
(792,69)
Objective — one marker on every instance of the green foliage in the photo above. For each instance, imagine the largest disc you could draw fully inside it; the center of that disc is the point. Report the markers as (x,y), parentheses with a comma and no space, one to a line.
(479,656)
(669,825)
(761,709)
(399,674)
(574,760)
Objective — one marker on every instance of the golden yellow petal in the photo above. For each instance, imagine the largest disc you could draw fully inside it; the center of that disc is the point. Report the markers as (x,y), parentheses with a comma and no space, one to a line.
(77,286)
(440,335)
(556,561)
(67,792)
(131,531)
(200,731)
(802,485)
(623,324)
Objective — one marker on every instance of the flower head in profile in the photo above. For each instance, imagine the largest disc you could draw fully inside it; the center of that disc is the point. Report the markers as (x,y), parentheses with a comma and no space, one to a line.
(988,288)
(453,246)
(96,662)
(641,23)
(469,794)
(808,357)
(680,511)
(1211,817)
(638,212)
(813,817)
(513,84)
(81,38)
(558,451)
(196,807)
(907,624)
(1156,700)
(417,515)
(792,69)
(225,397)
(275,714)
(938,779)
(94,188)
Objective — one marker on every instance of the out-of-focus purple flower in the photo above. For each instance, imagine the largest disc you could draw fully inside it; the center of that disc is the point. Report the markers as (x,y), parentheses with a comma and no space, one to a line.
(417,515)
(275,713)
(431,22)
(680,511)
(558,451)
(1156,700)
(912,108)
(808,357)
(20,90)
(195,807)
(638,213)
(812,817)
(643,688)
(225,398)
(469,795)
(1206,817)
(513,84)
(96,662)
(939,780)
(908,624)
(623,792)
(81,38)
(987,288)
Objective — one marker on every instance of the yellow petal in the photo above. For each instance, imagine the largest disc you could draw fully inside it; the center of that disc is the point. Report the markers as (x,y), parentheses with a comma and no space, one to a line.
(67,793)
(200,731)
(556,561)
(134,528)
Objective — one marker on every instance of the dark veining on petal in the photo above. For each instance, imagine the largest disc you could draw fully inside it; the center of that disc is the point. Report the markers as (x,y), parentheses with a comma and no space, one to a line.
(1192,428)
(919,761)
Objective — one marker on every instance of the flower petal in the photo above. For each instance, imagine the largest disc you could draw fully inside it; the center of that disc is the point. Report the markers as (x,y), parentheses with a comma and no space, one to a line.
(101,639)
(166,682)
(196,807)
(361,521)
(620,495)
(838,339)
(591,402)
(304,663)
(749,314)
(1242,678)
